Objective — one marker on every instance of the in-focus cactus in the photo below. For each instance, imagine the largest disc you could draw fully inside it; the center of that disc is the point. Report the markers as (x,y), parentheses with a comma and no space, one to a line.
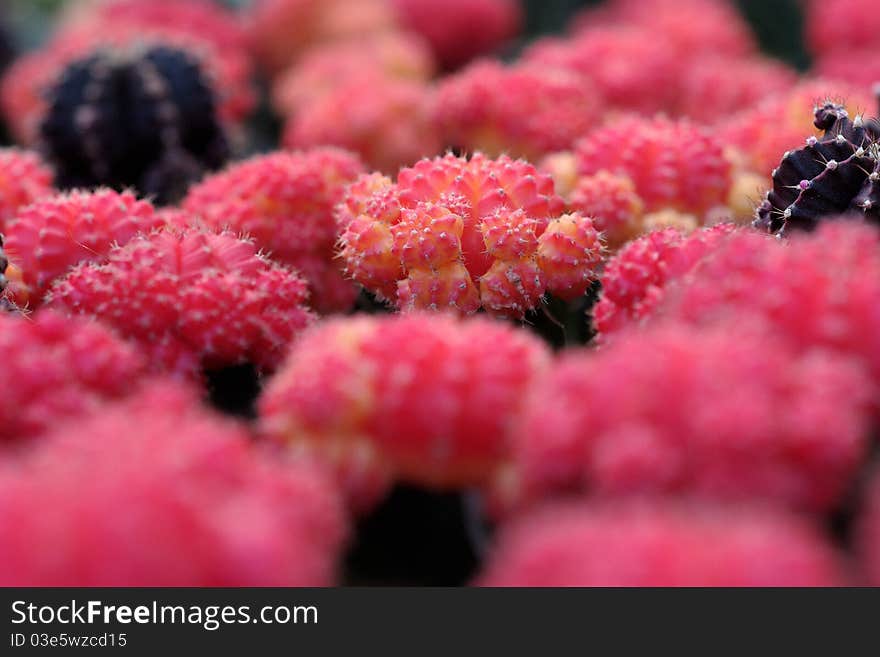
(465,234)
(836,173)
(133,118)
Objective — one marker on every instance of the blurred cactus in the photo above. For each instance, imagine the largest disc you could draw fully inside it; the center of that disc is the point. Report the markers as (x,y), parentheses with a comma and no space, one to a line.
(140,118)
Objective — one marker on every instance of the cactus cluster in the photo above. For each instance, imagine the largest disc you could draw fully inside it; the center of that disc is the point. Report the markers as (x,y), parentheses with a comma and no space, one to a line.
(143,118)
(837,173)
(506,318)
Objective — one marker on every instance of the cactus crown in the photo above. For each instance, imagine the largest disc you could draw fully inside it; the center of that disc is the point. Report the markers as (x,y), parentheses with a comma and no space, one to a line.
(837,173)
(142,118)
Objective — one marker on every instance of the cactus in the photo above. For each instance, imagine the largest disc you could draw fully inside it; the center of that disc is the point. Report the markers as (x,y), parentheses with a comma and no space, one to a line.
(136,118)
(837,173)
(462,234)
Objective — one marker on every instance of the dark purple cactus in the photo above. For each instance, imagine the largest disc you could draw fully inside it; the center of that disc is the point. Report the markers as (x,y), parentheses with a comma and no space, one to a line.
(143,119)
(836,174)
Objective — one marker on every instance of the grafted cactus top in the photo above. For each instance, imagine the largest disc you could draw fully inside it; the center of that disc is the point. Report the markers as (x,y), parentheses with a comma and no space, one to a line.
(838,173)
(143,118)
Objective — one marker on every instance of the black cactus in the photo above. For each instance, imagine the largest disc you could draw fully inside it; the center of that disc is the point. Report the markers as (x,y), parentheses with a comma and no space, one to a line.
(142,118)
(838,173)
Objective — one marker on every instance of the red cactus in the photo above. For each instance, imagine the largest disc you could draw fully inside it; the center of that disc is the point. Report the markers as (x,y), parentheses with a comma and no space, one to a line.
(741,416)
(524,111)
(662,544)
(157,492)
(424,398)
(859,67)
(47,238)
(611,201)
(629,69)
(191,299)
(389,125)
(635,279)
(714,87)
(284,201)
(324,68)
(24,178)
(464,234)
(783,121)
(841,25)
(691,28)
(60,368)
(459,30)
(282,30)
(673,164)
(817,290)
